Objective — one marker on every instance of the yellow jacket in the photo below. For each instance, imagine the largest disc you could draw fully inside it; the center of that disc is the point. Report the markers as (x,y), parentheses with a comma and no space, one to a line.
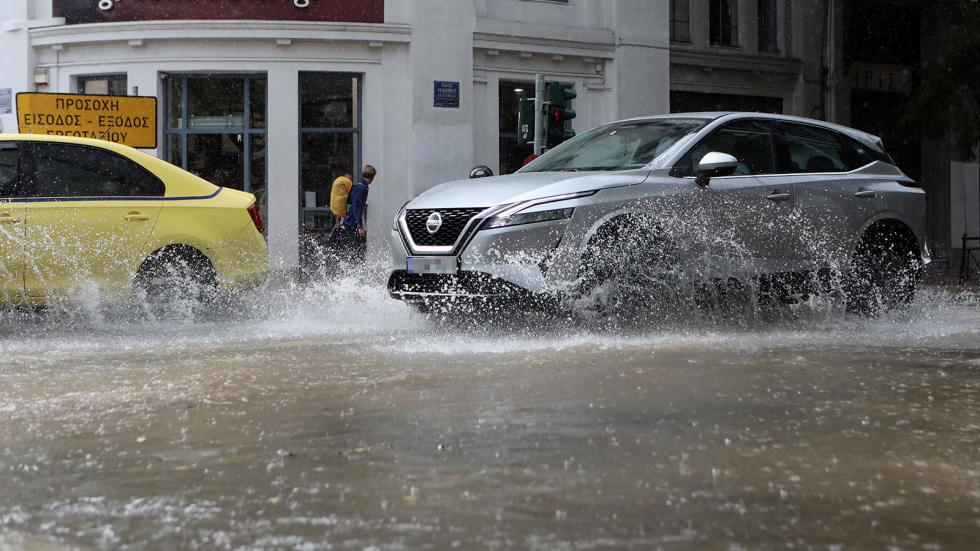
(338,195)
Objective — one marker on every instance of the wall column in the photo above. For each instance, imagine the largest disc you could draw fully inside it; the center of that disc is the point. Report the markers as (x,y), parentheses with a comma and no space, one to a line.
(641,69)
(283,157)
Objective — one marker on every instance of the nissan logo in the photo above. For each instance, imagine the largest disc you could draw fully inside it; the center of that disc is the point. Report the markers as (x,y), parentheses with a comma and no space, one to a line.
(434,222)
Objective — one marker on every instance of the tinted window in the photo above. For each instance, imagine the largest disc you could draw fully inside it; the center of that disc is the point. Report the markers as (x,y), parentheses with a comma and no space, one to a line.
(812,149)
(861,154)
(63,170)
(8,170)
(751,142)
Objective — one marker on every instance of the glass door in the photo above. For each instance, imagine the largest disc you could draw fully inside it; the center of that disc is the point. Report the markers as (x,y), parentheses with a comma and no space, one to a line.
(330,145)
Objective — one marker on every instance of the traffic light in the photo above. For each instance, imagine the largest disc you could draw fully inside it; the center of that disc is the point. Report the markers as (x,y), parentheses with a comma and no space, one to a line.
(557,95)
(525,121)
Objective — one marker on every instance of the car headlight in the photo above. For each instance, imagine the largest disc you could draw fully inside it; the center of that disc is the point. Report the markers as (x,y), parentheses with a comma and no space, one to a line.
(505,220)
(398,216)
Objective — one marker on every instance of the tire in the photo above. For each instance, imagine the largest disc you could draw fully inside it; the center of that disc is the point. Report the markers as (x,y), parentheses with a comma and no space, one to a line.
(883,273)
(176,282)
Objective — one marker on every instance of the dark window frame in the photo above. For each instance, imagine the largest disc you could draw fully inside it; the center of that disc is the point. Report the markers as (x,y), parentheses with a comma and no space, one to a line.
(676,22)
(31,186)
(768,19)
(723,27)
(81,80)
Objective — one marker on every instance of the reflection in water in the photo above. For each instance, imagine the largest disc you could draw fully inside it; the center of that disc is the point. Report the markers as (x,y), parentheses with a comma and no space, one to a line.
(327,415)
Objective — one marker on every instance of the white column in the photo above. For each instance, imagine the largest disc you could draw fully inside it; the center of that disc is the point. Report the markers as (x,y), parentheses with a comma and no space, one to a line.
(641,70)
(283,157)
(441,49)
(18,69)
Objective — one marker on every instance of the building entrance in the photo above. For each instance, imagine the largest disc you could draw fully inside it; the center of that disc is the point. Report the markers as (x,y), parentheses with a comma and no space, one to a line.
(330,139)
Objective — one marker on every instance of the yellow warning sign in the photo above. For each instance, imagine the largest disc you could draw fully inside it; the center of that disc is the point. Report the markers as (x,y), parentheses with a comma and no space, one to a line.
(129,120)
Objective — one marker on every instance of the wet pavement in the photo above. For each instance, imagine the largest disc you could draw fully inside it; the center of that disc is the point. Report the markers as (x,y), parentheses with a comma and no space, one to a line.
(339,419)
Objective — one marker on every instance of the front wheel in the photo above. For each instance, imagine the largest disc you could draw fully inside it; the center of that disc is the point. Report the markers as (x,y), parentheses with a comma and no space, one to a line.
(627,265)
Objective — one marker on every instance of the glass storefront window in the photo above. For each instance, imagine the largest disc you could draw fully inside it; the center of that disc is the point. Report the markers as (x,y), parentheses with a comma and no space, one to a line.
(216,103)
(218,158)
(330,140)
(220,135)
(328,100)
(175,103)
(257,102)
(173,146)
(511,153)
(257,172)
(325,157)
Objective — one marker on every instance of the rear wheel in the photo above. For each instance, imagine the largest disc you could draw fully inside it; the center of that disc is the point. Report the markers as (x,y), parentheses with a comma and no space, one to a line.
(883,273)
(176,282)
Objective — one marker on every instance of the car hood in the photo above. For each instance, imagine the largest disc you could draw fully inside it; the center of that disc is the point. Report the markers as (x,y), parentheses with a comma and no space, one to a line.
(525,186)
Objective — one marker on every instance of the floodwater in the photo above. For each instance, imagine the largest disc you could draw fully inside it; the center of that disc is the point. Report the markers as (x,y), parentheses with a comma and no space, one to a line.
(332,417)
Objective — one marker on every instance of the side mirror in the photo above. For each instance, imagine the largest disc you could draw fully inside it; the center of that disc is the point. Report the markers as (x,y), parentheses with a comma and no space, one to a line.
(715,164)
(481,172)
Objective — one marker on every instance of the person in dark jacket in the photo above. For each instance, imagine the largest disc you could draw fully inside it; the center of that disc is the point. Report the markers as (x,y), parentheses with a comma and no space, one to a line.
(350,237)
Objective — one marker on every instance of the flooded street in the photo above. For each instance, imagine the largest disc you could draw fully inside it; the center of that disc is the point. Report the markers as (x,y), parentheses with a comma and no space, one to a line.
(354,423)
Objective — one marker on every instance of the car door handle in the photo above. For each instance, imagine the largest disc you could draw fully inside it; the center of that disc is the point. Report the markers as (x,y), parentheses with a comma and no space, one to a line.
(8,218)
(779,196)
(136,217)
(867,193)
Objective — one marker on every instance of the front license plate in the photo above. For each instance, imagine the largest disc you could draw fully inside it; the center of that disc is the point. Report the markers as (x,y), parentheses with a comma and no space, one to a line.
(433,264)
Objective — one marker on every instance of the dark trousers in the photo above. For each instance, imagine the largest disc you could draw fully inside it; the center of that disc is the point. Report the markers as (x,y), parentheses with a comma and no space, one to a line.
(347,245)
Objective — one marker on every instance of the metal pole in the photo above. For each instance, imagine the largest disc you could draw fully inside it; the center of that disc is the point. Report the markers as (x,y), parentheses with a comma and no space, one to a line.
(538,113)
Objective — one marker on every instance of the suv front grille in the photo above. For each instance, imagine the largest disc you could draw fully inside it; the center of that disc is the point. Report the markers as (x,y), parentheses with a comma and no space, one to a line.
(453,222)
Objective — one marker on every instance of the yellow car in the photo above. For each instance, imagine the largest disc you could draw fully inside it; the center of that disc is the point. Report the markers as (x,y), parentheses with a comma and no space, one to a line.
(79,214)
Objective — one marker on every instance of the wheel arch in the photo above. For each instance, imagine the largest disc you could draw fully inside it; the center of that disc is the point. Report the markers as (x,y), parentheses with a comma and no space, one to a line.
(178,250)
(613,219)
(883,227)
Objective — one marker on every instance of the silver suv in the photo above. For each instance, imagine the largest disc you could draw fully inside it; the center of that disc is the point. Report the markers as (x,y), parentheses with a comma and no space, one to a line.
(790,204)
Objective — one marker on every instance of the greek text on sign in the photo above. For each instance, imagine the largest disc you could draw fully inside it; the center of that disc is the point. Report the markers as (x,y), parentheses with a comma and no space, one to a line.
(129,120)
(445,94)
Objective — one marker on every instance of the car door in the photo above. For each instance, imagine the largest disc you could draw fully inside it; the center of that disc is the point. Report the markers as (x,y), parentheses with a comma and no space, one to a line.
(12,214)
(834,201)
(91,214)
(747,217)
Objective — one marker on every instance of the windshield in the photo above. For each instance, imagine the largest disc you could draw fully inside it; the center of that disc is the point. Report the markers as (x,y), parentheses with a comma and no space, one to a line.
(617,146)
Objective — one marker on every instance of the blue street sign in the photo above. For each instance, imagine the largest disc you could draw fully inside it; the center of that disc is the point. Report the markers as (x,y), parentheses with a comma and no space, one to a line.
(446,94)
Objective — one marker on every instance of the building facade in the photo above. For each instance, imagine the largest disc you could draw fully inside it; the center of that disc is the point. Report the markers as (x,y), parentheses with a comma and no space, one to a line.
(278,97)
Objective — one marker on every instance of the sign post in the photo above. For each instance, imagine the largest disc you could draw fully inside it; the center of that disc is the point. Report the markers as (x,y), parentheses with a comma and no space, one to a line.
(128,120)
